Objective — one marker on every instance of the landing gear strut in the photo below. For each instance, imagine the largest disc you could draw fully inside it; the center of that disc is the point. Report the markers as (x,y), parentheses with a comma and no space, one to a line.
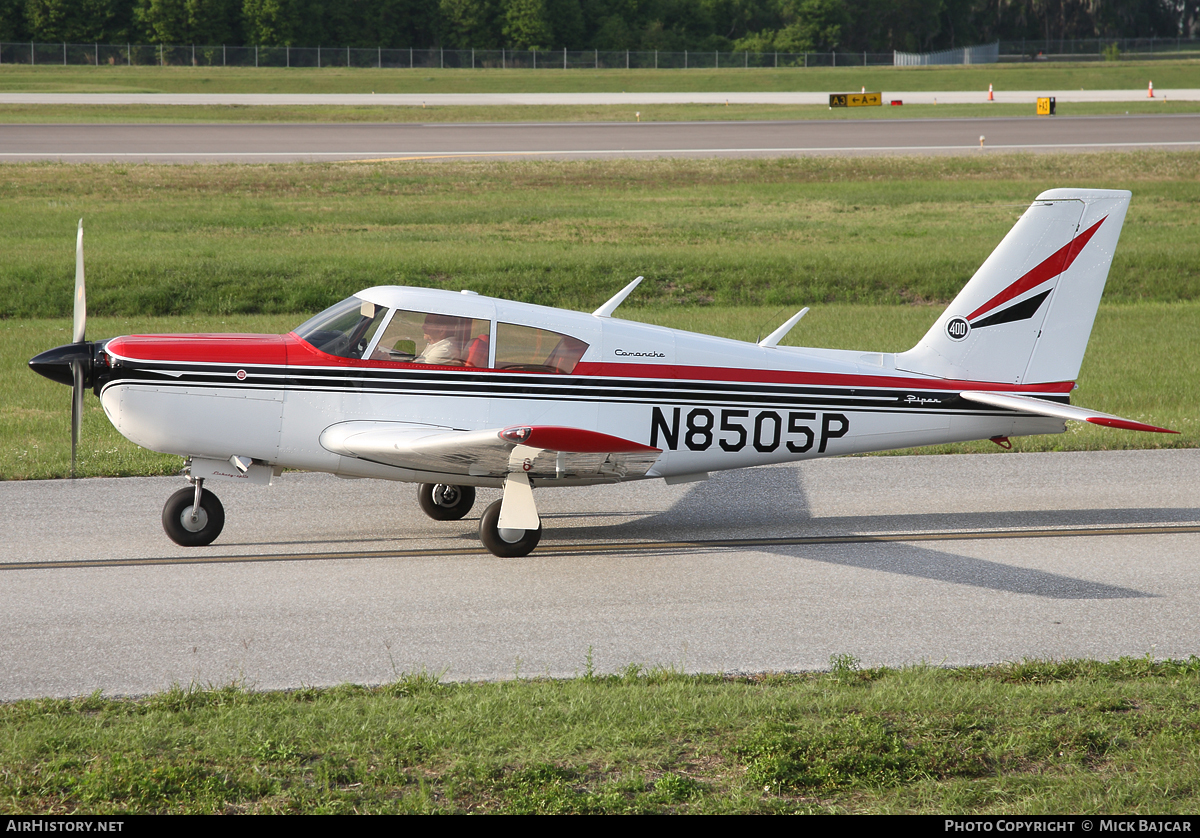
(193,517)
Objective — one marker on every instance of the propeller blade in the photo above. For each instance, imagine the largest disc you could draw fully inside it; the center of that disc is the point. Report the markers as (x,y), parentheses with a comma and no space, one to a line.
(76,409)
(80,296)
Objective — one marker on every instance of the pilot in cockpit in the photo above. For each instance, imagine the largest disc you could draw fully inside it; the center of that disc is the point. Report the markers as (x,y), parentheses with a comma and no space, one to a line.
(445,339)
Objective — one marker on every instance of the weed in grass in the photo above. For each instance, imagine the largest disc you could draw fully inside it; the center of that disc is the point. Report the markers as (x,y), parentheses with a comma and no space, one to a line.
(844,667)
(179,699)
(410,684)
(677,788)
(543,790)
(847,753)
(269,750)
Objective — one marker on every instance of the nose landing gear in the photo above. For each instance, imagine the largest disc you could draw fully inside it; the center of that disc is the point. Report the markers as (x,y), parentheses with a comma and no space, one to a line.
(193,517)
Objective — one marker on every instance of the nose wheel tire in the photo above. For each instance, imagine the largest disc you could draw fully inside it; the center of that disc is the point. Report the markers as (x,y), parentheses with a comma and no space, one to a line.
(190,530)
(506,543)
(443,502)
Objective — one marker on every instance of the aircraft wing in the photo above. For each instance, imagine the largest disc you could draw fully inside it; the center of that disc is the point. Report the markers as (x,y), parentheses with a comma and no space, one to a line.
(1041,407)
(537,451)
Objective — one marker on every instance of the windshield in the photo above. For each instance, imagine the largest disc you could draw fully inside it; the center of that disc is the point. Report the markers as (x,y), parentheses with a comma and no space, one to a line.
(344,329)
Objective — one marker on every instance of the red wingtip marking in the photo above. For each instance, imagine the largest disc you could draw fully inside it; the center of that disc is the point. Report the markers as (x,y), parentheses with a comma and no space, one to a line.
(1125,424)
(1052,266)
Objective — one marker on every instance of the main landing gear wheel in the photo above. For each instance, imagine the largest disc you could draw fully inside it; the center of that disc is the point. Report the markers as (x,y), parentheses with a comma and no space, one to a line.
(507,544)
(443,502)
(189,531)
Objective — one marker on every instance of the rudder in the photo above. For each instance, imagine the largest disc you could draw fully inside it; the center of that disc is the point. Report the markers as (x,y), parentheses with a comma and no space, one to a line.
(1026,315)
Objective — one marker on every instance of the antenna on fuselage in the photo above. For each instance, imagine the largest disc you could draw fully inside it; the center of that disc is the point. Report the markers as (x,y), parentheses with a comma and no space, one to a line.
(608,308)
(778,335)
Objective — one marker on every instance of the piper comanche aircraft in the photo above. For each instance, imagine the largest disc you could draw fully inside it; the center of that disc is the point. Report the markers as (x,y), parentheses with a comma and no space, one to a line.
(455,390)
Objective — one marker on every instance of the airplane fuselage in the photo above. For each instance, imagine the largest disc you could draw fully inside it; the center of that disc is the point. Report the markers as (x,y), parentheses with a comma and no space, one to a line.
(707,403)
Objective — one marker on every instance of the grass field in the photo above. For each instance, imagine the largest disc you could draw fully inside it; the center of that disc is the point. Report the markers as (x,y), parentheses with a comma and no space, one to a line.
(1101,75)
(292,239)
(1026,738)
(728,247)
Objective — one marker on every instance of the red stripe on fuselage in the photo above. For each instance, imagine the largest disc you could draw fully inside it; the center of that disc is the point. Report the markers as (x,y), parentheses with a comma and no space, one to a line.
(212,349)
(819,379)
(278,350)
(1051,267)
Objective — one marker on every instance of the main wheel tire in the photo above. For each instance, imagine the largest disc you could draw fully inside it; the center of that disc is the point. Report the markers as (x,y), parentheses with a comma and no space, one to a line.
(443,502)
(177,518)
(507,544)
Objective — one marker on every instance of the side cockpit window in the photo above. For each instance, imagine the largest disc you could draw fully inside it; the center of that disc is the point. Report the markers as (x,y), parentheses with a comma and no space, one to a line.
(357,329)
(528,349)
(418,337)
(345,329)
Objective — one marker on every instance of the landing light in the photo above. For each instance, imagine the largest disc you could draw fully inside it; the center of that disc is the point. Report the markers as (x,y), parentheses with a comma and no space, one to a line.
(517,435)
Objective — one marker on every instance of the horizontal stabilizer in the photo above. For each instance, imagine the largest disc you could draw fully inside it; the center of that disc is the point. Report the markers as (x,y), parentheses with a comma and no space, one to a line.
(1041,407)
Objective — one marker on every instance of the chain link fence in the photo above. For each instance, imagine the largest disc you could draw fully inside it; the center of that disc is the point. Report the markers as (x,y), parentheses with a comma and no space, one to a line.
(436,58)
(1096,49)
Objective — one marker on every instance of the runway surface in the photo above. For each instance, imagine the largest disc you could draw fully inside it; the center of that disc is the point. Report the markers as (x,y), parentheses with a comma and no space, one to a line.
(965,559)
(324,142)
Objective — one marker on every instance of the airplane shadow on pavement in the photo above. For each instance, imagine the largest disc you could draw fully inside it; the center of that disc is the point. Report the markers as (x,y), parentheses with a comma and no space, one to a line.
(722,509)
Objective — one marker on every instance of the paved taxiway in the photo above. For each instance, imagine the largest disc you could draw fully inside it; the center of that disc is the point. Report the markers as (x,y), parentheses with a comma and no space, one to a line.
(324,142)
(948,559)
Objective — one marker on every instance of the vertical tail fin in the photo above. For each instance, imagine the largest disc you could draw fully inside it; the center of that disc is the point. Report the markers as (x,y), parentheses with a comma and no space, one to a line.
(1026,315)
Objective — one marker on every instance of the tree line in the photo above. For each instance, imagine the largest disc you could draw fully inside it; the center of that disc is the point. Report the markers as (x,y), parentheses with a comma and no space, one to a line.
(665,25)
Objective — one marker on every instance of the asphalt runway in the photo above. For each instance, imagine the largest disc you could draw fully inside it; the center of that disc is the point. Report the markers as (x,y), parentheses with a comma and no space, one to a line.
(962,559)
(160,143)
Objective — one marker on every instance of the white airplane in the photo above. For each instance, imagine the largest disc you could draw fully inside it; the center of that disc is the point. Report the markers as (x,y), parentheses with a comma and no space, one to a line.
(454,390)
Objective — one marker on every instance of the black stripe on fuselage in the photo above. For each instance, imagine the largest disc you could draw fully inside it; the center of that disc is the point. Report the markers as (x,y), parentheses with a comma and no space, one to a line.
(555,388)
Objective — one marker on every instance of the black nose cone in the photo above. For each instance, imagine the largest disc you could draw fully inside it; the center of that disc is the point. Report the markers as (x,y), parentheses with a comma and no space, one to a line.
(55,364)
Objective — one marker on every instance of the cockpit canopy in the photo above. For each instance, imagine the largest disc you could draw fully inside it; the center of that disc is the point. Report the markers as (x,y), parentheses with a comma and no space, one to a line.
(355,328)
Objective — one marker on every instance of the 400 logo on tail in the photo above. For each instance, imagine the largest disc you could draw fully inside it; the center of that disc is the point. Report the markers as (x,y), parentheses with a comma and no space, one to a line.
(453,391)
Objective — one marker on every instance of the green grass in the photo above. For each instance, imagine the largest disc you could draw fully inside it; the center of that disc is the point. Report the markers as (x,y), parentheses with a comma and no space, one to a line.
(167,240)
(142,114)
(1023,738)
(1098,75)
(731,247)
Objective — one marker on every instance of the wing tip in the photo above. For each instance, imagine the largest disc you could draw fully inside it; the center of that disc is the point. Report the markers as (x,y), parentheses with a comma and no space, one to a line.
(1128,425)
